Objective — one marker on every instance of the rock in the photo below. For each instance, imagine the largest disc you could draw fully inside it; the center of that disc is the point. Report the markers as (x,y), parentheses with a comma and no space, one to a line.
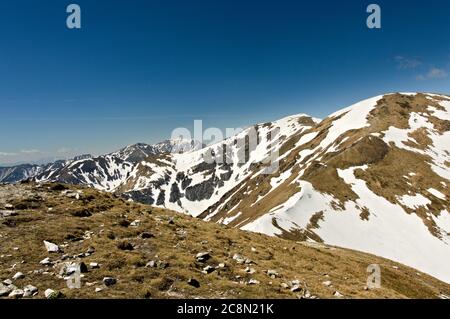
(248,261)
(296,288)
(81,213)
(9,206)
(109,281)
(6,290)
(124,245)
(193,282)
(151,264)
(208,269)
(338,294)
(238,258)
(254,249)
(18,275)
(51,248)
(94,265)
(221,265)
(135,223)
(327,283)
(16,293)
(295,282)
(202,256)
(83,268)
(90,250)
(250,270)
(147,235)
(284,285)
(98,289)
(7,282)
(46,262)
(272,273)
(29,290)
(52,294)
(253,282)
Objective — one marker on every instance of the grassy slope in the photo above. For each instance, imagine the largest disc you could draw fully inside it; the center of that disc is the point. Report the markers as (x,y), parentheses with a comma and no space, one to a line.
(177,240)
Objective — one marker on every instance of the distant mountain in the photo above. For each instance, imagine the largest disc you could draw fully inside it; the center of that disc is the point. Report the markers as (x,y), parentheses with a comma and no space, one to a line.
(372,177)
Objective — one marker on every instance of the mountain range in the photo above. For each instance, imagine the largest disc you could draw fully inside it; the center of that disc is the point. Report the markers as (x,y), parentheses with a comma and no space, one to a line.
(372,177)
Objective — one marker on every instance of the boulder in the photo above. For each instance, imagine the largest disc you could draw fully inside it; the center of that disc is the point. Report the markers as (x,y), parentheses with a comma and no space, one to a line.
(29,290)
(52,294)
(18,275)
(16,293)
(51,248)
(202,256)
(109,281)
(193,282)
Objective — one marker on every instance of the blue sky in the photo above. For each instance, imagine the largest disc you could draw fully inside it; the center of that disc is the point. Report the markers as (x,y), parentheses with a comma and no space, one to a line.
(138,69)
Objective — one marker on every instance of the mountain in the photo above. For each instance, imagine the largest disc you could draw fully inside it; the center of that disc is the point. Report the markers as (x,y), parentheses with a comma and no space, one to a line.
(131,250)
(373,177)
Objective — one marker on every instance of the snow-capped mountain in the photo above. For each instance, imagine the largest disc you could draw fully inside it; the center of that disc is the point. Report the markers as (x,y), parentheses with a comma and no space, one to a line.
(372,177)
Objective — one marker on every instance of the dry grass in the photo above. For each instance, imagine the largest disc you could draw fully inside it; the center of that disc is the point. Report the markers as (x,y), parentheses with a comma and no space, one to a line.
(177,239)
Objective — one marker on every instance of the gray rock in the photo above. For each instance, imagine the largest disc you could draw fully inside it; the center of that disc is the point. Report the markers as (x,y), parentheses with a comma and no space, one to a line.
(51,248)
(29,290)
(250,270)
(193,282)
(16,293)
(151,264)
(327,283)
(109,281)
(202,256)
(253,282)
(5,290)
(272,273)
(208,269)
(46,262)
(94,265)
(296,288)
(52,294)
(18,275)
(7,282)
(338,294)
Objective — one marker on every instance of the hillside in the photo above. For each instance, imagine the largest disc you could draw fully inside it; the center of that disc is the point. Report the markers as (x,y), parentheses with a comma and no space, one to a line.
(153,253)
(373,177)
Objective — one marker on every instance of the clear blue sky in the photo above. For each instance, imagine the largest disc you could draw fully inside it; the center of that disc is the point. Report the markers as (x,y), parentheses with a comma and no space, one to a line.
(138,69)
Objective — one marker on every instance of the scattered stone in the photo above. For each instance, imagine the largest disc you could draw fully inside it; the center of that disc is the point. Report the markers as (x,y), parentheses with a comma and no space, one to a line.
(338,294)
(52,294)
(29,290)
(51,248)
(395,267)
(135,223)
(124,245)
(98,289)
(248,261)
(7,282)
(254,249)
(146,235)
(208,269)
(327,283)
(284,285)
(109,281)
(83,268)
(296,288)
(238,258)
(221,265)
(81,213)
(250,270)
(94,265)
(90,250)
(193,282)
(18,275)
(6,290)
(46,262)
(202,256)
(16,293)
(151,264)
(253,282)
(272,273)
(9,206)
(295,282)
